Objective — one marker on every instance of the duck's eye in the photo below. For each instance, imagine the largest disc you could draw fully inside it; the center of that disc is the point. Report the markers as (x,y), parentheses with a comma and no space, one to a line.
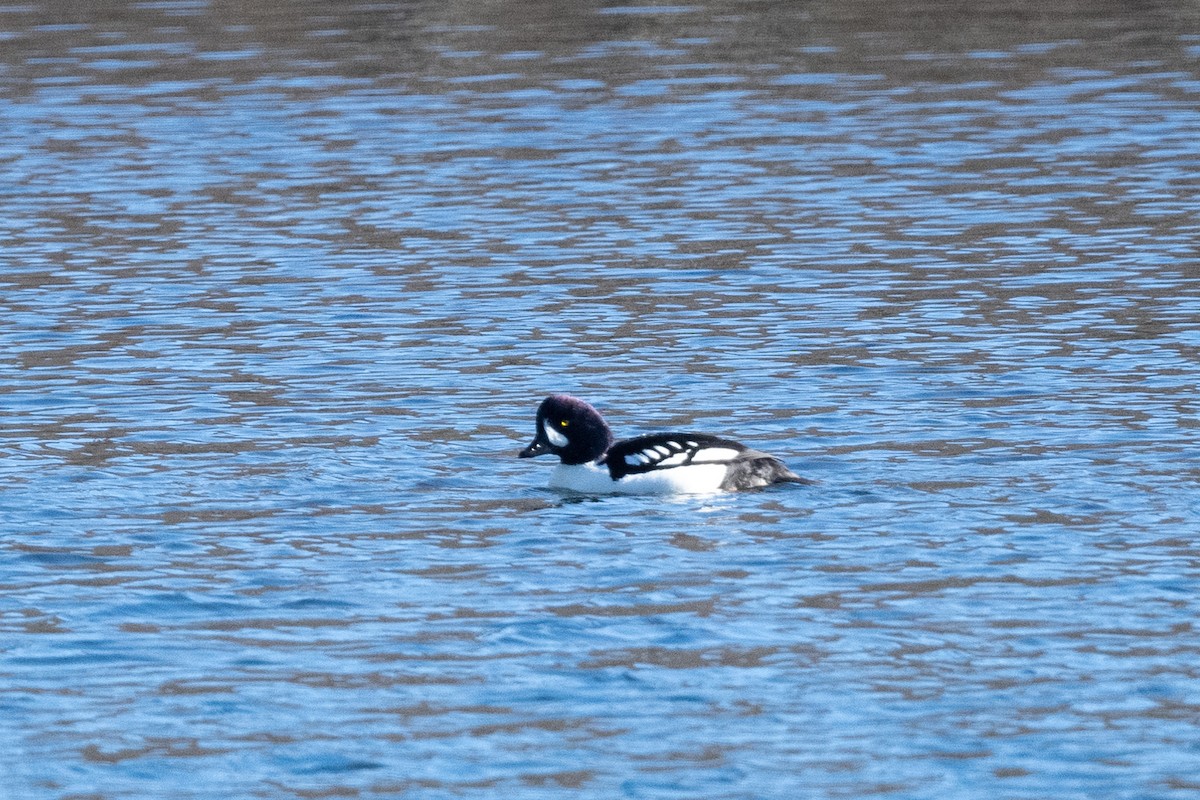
(564,423)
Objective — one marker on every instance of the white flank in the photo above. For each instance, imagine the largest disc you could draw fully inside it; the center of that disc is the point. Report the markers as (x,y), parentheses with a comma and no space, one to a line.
(594,479)
(711,455)
(555,438)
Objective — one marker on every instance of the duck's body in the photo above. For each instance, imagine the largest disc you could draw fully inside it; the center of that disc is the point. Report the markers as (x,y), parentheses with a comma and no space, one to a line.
(662,463)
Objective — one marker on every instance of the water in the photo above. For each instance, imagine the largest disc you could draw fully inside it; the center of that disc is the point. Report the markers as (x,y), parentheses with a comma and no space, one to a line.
(281,290)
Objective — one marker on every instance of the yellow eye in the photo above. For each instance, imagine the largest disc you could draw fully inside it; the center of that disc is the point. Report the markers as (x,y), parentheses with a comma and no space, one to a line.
(564,423)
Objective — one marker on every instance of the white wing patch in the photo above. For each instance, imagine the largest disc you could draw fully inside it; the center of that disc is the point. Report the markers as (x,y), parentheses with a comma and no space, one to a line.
(679,452)
(714,455)
(655,455)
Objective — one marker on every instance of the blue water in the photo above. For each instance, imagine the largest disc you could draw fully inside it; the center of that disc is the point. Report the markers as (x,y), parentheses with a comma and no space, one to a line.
(280,293)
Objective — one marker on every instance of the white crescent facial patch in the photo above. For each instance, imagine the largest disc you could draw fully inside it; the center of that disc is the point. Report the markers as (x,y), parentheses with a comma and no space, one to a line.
(554,437)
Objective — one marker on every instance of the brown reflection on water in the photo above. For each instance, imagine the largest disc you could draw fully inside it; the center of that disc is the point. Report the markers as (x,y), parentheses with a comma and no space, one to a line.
(282,287)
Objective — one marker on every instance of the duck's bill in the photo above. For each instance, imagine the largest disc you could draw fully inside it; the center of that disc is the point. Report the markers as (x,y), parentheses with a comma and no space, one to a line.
(536,449)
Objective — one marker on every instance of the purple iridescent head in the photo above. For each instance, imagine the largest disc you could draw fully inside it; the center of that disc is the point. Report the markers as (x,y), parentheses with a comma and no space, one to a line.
(570,429)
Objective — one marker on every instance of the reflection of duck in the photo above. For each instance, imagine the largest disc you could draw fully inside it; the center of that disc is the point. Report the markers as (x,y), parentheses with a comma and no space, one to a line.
(661,463)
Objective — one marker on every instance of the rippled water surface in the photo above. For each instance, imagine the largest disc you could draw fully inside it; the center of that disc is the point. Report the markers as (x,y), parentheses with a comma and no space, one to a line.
(281,286)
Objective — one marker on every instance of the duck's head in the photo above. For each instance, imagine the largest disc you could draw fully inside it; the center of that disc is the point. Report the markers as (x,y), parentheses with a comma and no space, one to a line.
(570,429)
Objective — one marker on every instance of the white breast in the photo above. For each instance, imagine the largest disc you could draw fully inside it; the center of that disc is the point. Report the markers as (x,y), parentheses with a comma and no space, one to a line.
(593,479)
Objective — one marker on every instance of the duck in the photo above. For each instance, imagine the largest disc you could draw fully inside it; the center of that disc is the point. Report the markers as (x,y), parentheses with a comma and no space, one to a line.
(591,461)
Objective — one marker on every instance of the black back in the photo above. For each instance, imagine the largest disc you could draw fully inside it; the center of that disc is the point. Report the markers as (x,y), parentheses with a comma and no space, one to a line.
(646,453)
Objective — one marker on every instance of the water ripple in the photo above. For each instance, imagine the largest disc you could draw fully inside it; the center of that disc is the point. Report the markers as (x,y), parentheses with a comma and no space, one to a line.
(280,295)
